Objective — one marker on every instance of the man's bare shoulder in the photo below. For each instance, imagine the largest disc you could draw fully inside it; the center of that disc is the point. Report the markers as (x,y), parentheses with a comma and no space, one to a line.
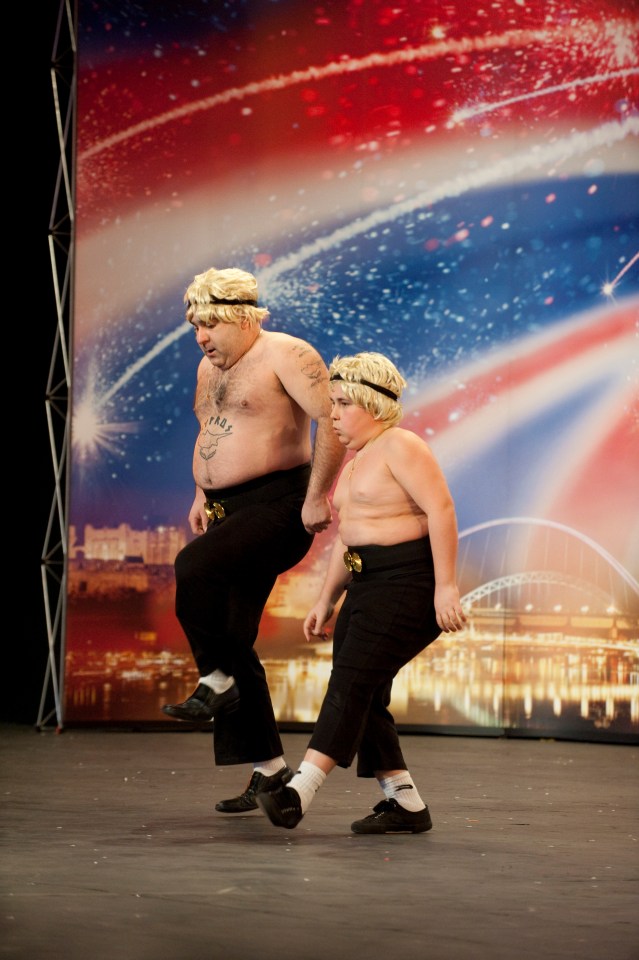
(300,370)
(293,357)
(286,343)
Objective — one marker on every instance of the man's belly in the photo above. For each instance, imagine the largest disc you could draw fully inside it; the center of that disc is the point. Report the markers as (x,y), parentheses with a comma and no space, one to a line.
(244,464)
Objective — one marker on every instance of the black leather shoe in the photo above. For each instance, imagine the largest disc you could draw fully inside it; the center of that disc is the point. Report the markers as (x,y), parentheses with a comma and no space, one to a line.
(258,782)
(282,806)
(203,704)
(390,817)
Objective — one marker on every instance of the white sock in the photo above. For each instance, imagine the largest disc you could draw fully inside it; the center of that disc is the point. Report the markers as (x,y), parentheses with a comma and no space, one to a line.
(401,788)
(218,681)
(307,782)
(269,767)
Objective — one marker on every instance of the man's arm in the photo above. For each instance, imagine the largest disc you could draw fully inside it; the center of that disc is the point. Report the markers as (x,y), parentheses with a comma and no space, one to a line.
(304,376)
(328,454)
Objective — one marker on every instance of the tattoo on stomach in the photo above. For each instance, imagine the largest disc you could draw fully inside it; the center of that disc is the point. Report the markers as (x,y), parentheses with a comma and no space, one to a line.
(210,435)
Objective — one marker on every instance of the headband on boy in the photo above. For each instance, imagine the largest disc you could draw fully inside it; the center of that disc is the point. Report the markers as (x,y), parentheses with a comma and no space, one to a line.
(367,383)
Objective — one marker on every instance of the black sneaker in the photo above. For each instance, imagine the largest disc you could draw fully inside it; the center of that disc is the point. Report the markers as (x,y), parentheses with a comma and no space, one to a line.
(390,817)
(282,806)
(203,704)
(258,782)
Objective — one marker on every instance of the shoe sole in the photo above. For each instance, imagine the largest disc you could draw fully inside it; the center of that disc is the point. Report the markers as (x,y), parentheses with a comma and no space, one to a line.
(186,719)
(273,812)
(225,708)
(247,808)
(362,827)
(390,830)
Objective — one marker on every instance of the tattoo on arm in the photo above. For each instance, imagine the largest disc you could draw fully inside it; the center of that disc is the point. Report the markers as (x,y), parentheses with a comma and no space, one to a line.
(312,366)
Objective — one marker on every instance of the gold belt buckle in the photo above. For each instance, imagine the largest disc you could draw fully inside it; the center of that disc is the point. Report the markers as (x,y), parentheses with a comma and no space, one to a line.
(353,561)
(214,510)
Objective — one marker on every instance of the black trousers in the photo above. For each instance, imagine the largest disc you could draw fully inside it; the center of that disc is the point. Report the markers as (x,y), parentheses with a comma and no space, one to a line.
(386,619)
(223,580)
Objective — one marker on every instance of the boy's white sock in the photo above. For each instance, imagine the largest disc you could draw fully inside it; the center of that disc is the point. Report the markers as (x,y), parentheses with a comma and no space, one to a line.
(401,788)
(307,782)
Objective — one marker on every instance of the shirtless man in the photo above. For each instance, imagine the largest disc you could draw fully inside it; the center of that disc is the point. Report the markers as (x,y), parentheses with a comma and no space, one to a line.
(395,556)
(259,499)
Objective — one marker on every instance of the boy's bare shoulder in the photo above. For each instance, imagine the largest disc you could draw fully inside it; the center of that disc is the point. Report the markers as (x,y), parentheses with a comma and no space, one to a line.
(402,438)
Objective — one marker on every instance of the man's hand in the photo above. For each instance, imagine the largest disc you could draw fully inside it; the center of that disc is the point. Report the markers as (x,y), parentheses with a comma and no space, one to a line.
(317,514)
(198,519)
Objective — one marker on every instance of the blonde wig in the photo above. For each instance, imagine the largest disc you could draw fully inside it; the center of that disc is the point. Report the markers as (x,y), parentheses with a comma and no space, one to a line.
(373,382)
(229,296)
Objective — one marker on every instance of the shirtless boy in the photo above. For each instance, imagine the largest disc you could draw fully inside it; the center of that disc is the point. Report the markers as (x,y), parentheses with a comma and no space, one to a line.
(395,558)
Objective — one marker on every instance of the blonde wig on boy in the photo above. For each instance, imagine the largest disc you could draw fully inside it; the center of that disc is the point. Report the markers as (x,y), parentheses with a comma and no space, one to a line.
(229,296)
(373,382)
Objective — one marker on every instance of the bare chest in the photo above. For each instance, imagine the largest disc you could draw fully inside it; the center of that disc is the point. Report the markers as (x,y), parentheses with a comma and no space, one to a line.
(227,393)
(367,483)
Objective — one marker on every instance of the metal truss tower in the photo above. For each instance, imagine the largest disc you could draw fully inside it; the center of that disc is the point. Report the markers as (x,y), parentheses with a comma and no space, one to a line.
(57,398)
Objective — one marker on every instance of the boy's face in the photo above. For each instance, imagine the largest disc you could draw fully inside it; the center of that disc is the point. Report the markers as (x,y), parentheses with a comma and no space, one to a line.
(351,423)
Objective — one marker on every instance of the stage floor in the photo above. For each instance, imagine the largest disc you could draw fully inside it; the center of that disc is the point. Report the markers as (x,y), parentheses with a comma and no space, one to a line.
(111,848)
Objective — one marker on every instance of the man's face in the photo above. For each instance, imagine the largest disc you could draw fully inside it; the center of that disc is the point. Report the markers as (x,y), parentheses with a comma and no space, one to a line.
(222,343)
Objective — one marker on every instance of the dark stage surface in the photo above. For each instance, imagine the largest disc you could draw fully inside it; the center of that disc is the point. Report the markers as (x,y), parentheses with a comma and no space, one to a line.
(111,848)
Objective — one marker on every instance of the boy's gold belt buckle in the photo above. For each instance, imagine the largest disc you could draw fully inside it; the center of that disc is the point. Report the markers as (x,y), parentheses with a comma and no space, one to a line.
(214,510)
(353,561)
